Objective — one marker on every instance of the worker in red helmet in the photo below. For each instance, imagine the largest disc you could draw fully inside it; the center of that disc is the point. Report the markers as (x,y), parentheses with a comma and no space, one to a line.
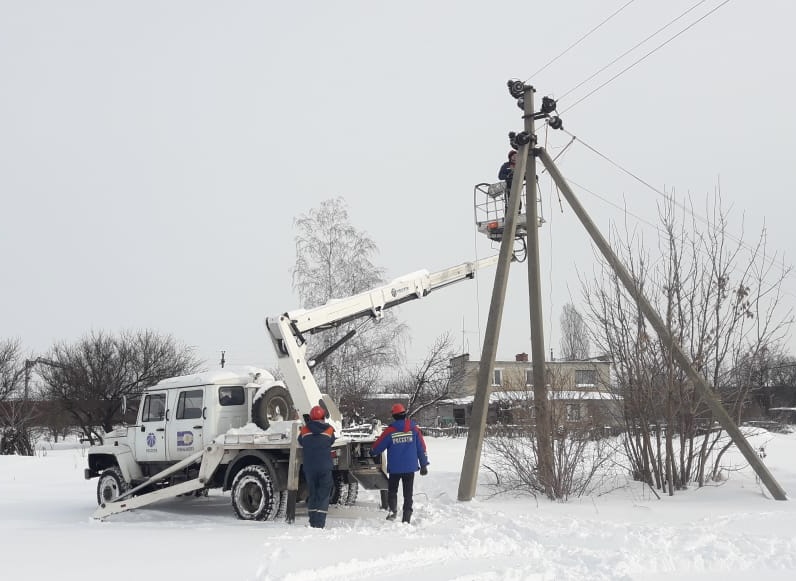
(316,438)
(406,454)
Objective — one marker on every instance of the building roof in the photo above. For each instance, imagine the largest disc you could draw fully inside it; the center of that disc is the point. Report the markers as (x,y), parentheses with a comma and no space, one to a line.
(501,396)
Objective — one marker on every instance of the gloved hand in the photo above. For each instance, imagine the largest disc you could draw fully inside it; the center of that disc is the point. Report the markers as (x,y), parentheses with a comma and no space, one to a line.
(423,470)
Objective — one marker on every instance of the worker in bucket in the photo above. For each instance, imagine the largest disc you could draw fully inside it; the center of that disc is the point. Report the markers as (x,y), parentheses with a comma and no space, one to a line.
(406,453)
(317,437)
(506,173)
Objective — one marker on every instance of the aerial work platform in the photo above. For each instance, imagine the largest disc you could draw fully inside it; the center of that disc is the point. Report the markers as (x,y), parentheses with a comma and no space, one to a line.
(490,211)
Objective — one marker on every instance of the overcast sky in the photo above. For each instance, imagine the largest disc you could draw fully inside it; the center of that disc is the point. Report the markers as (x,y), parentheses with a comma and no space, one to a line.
(153,155)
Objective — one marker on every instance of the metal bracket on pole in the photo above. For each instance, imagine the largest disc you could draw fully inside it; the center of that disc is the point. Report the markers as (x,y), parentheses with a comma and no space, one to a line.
(657,323)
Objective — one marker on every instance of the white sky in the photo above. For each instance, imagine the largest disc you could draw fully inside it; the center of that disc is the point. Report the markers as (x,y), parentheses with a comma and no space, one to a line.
(154,154)
(726,532)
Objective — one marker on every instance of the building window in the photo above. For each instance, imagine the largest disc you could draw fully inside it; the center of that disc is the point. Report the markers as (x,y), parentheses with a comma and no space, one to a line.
(585,377)
(497,379)
(574,412)
(529,377)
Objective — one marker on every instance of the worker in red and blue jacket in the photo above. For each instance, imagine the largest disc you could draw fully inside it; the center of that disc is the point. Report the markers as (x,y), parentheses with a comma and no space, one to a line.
(406,453)
(316,438)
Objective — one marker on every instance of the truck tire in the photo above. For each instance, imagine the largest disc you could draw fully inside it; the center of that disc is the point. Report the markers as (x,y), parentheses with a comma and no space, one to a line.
(280,504)
(344,493)
(339,488)
(353,492)
(111,485)
(274,403)
(253,495)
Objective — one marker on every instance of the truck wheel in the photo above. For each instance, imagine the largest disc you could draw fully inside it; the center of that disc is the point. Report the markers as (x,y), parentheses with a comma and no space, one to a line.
(339,488)
(111,485)
(344,493)
(280,504)
(253,496)
(353,492)
(275,404)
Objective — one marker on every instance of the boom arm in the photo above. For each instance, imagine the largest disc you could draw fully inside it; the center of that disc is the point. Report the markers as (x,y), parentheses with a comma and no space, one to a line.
(286,331)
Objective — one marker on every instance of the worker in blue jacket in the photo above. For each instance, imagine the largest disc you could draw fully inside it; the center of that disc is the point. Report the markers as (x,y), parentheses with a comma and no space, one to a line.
(316,438)
(506,173)
(406,453)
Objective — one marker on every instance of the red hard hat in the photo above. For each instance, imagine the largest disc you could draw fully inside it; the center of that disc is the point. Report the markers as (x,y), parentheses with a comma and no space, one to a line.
(317,413)
(398,408)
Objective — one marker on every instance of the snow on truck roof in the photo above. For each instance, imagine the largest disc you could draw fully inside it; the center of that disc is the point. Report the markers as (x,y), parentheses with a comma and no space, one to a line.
(239,375)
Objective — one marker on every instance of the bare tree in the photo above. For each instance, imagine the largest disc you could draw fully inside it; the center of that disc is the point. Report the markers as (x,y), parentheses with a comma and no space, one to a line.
(334,260)
(432,380)
(720,300)
(574,335)
(89,378)
(11,368)
(16,409)
(579,455)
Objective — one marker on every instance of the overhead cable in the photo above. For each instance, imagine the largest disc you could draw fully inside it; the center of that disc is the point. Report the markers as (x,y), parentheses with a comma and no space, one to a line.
(650,53)
(628,51)
(581,39)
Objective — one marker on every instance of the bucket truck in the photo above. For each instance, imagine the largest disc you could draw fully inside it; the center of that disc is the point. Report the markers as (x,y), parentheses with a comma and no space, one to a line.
(236,429)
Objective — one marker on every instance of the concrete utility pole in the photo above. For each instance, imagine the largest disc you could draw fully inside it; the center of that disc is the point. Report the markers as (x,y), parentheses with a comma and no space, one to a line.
(663,333)
(475,436)
(541,405)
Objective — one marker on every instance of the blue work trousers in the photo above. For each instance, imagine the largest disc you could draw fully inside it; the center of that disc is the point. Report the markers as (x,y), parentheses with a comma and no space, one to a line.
(319,484)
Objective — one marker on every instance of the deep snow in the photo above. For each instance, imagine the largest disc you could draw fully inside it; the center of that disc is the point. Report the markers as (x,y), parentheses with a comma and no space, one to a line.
(727,532)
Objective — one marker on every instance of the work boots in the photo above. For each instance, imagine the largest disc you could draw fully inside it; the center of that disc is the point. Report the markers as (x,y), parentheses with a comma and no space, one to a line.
(407,516)
(391,515)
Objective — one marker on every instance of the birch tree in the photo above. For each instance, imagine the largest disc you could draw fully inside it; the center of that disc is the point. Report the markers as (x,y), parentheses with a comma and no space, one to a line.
(335,260)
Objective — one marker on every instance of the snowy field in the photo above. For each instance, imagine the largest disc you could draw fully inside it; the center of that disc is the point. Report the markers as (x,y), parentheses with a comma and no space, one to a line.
(726,532)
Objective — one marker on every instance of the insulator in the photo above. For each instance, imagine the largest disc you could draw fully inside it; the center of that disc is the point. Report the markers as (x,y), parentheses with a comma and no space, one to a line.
(548,105)
(516,88)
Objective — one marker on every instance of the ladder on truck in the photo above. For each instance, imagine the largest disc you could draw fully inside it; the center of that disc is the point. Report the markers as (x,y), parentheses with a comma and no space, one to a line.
(209,458)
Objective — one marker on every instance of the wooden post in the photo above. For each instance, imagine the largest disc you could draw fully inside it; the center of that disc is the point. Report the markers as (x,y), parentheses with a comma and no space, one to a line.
(475,436)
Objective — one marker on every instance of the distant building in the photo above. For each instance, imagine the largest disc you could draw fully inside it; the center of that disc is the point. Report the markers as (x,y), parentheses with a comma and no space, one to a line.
(579,392)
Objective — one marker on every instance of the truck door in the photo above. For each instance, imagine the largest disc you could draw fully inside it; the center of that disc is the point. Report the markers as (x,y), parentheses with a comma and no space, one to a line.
(150,437)
(184,436)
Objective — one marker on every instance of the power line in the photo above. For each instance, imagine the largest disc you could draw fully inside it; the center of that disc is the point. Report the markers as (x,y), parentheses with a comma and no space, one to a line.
(581,39)
(634,47)
(650,53)
(769,261)
(733,267)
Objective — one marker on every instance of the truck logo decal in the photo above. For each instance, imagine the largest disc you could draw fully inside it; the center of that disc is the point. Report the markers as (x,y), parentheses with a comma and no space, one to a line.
(398,291)
(150,440)
(184,439)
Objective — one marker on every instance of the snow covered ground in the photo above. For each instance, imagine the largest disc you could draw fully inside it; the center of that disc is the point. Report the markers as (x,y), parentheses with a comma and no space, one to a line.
(727,532)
